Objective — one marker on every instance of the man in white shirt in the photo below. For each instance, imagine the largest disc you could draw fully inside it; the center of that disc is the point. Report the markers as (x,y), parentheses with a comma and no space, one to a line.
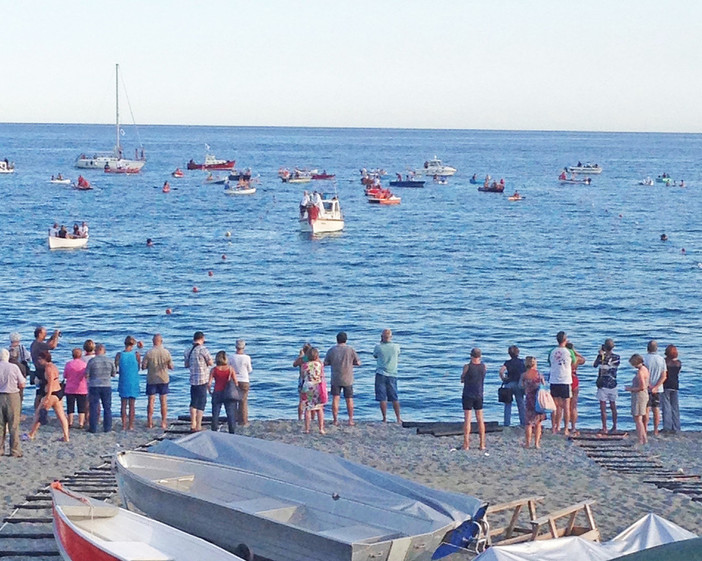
(242,364)
(659,373)
(561,360)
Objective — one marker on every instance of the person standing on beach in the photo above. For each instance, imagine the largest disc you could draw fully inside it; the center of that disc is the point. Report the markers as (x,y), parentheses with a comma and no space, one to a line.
(342,358)
(658,373)
(639,396)
(671,408)
(473,380)
(314,390)
(561,361)
(386,353)
(579,361)
(299,361)
(100,371)
(608,363)
(51,400)
(38,346)
(11,383)
(127,363)
(531,381)
(76,387)
(242,364)
(198,361)
(157,362)
(510,374)
(222,374)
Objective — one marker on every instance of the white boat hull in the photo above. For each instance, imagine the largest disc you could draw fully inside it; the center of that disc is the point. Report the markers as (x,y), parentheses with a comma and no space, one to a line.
(60,181)
(249,191)
(321,225)
(111,161)
(67,243)
(446,171)
(584,170)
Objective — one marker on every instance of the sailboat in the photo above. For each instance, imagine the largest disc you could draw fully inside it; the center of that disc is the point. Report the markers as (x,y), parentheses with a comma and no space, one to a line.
(113,162)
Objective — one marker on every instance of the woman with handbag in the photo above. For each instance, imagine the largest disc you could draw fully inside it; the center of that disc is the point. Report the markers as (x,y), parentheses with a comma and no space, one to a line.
(314,389)
(225,392)
(510,374)
(531,381)
(53,399)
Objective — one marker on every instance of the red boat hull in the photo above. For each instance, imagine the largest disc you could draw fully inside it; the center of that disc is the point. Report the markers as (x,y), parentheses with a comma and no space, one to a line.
(75,546)
(229,164)
(319,176)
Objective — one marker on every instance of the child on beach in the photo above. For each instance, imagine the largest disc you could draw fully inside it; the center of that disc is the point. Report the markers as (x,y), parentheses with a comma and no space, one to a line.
(127,363)
(473,380)
(531,380)
(639,396)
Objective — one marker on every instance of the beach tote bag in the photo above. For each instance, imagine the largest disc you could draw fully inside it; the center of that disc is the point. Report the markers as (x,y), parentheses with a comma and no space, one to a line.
(323,394)
(504,394)
(231,392)
(544,401)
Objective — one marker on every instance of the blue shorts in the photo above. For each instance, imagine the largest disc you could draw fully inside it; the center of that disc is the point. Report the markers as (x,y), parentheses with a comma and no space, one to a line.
(198,397)
(385,388)
(160,389)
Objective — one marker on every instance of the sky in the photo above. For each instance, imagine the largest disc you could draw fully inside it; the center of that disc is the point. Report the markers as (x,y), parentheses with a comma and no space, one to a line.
(604,65)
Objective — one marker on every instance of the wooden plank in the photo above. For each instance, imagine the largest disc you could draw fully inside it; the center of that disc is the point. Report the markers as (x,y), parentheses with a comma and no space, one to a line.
(16,554)
(28,536)
(28,520)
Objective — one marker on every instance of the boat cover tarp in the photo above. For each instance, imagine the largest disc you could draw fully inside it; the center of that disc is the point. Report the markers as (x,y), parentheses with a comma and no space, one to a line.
(649,531)
(324,472)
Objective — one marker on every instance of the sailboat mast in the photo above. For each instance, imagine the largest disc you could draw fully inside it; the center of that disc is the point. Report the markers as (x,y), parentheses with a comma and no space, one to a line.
(117,146)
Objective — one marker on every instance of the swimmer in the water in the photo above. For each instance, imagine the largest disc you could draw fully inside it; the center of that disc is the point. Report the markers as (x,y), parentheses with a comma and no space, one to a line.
(149,242)
(664,237)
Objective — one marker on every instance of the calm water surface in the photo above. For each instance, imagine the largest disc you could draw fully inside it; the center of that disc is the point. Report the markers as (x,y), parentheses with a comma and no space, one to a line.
(449,269)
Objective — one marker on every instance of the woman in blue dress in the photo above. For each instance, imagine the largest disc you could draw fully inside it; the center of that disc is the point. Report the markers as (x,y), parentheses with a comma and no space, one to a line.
(127,363)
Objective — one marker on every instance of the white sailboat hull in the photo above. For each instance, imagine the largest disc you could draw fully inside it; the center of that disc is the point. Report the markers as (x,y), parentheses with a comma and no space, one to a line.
(112,162)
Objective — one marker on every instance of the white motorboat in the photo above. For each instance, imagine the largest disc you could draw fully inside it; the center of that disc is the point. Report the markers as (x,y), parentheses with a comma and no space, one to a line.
(6,166)
(297,175)
(60,181)
(56,242)
(86,528)
(113,162)
(435,167)
(240,190)
(323,220)
(289,503)
(585,169)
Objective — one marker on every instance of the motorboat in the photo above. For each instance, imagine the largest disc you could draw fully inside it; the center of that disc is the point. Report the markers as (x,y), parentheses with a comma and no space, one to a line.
(178,173)
(567,180)
(59,180)
(212,163)
(240,190)
(585,169)
(237,175)
(391,200)
(115,159)
(86,528)
(435,167)
(289,503)
(323,219)
(323,176)
(6,166)
(69,242)
(216,180)
(296,176)
(407,183)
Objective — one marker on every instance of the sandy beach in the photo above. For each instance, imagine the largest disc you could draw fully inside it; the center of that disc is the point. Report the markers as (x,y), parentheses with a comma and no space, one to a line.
(560,471)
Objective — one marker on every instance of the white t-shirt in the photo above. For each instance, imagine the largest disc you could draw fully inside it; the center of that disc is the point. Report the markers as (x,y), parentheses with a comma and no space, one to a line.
(561,364)
(242,365)
(656,366)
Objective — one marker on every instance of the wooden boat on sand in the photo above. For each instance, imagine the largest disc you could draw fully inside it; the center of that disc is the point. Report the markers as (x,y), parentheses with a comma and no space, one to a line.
(289,503)
(88,529)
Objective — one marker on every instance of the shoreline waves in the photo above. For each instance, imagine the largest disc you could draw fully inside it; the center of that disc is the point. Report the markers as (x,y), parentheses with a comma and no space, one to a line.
(560,470)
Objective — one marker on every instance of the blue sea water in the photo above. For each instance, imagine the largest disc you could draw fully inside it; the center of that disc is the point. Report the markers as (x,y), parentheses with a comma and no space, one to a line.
(449,269)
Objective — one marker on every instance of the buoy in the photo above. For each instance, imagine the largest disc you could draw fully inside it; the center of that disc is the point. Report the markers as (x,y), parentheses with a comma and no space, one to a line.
(682,250)
(140,344)
(210,273)
(621,216)
(168,311)
(224,256)
(228,234)
(195,289)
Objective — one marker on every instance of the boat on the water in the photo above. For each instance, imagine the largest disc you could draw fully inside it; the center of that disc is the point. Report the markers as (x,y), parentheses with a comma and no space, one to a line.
(323,176)
(296,176)
(69,242)
(440,179)
(59,180)
(665,178)
(407,183)
(178,173)
(584,169)
(494,188)
(88,529)
(240,190)
(515,197)
(212,163)
(122,169)
(569,180)
(216,180)
(289,503)
(115,159)
(391,200)
(82,184)
(647,181)
(324,218)
(237,175)
(435,167)
(7,166)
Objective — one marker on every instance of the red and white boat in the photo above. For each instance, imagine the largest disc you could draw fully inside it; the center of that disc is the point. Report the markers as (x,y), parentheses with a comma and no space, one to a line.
(178,173)
(212,163)
(323,176)
(391,200)
(83,184)
(121,169)
(90,530)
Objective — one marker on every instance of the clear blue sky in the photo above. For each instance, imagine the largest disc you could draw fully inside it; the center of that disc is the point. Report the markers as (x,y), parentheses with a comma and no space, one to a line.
(629,65)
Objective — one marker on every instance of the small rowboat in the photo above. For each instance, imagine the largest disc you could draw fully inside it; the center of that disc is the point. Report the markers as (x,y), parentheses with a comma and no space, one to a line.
(86,528)
(240,190)
(212,163)
(584,181)
(323,176)
(587,169)
(391,200)
(60,181)
(407,183)
(492,189)
(212,180)
(178,173)
(66,243)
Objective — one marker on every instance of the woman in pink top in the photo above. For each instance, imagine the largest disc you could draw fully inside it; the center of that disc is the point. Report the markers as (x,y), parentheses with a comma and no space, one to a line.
(76,388)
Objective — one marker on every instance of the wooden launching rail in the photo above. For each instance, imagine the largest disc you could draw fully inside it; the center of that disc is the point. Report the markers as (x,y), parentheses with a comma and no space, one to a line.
(511,533)
(550,523)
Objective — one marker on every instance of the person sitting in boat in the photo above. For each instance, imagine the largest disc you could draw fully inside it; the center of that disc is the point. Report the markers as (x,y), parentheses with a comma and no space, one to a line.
(312,213)
(579,164)
(563,176)
(166,187)
(62,233)
(76,230)
(516,195)
(502,182)
(83,232)
(399,176)
(475,177)
(52,178)
(59,177)
(54,230)
(82,182)
(682,183)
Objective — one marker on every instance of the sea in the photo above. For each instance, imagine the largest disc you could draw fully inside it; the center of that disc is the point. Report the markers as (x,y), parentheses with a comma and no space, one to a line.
(449,269)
